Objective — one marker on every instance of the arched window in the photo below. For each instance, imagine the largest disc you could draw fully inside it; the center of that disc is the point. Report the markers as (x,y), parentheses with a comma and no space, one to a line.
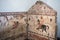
(50,20)
(29,18)
(41,17)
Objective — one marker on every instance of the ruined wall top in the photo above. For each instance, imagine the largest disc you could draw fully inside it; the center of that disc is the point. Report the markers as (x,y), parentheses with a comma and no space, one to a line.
(11,13)
(41,8)
(38,8)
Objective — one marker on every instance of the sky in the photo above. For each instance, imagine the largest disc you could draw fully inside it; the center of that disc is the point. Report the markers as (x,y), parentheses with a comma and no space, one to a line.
(24,5)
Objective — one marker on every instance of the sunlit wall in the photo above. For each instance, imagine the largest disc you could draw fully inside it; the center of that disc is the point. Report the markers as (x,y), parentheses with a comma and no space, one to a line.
(24,5)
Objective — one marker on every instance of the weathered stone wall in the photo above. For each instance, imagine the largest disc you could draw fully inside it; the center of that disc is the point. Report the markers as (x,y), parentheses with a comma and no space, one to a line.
(14,28)
(39,23)
(42,20)
(36,22)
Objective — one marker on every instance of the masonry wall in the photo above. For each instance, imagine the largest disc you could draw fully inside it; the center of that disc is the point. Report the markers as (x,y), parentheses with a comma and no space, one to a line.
(13,27)
(39,27)
(47,31)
